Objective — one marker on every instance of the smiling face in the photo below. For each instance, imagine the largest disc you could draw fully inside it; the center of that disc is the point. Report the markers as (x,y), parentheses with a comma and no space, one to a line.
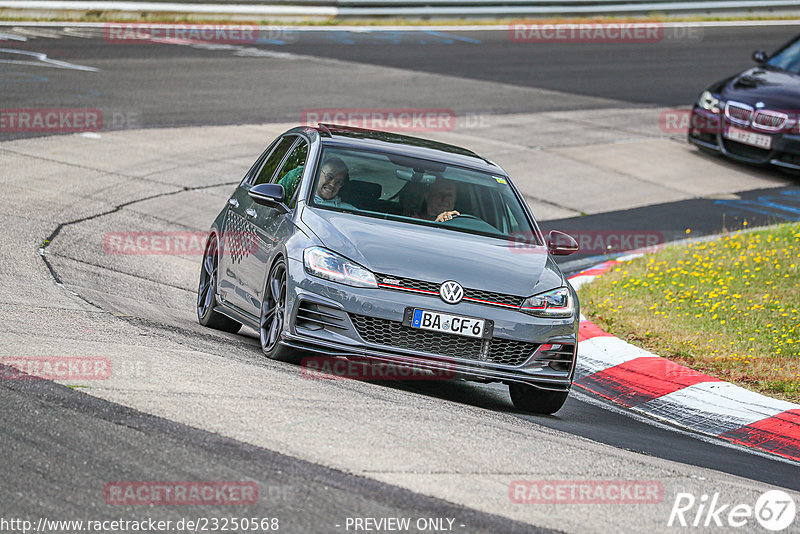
(440,197)
(330,182)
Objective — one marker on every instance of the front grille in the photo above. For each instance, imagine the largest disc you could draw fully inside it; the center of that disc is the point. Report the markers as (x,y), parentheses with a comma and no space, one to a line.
(394,334)
(487,297)
(739,113)
(510,352)
(408,283)
(770,120)
(432,288)
(746,151)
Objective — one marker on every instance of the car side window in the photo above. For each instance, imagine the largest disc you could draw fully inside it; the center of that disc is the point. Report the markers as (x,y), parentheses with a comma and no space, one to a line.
(274,159)
(292,171)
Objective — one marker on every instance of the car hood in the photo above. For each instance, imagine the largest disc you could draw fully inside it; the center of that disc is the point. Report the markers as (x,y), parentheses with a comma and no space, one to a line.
(435,254)
(776,89)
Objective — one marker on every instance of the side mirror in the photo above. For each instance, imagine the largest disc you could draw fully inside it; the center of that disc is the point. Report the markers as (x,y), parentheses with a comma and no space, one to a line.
(561,244)
(759,56)
(270,195)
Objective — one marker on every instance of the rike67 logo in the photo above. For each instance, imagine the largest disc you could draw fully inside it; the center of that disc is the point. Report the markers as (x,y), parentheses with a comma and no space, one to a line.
(774,510)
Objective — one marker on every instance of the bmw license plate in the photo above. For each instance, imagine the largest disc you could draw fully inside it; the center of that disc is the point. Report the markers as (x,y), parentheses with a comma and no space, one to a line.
(450,324)
(748,138)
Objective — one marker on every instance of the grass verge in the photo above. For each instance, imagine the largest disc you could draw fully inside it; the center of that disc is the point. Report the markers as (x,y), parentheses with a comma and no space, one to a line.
(727,307)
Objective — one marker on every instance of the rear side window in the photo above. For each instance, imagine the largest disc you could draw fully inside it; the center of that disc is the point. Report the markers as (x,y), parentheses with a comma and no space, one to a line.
(274,159)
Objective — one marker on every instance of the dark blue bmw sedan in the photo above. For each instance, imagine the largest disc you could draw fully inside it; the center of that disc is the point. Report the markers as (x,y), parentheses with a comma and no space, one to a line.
(375,246)
(753,116)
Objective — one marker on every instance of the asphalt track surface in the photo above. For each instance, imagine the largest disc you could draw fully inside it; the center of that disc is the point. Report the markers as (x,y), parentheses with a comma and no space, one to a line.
(166,85)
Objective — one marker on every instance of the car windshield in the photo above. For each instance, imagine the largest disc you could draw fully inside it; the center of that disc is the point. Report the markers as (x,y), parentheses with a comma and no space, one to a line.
(417,191)
(788,59)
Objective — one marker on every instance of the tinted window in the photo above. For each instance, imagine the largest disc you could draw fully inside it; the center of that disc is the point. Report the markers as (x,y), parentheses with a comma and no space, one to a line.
(274,159)
(788,59)
(291,171)
(257,165)
(416,191)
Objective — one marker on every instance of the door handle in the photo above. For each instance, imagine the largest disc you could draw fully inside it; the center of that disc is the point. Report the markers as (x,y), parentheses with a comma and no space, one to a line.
(233,202)
(250,212)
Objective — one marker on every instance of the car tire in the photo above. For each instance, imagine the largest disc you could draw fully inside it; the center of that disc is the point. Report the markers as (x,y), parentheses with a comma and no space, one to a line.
(534,400)
(273,315)
(207,290)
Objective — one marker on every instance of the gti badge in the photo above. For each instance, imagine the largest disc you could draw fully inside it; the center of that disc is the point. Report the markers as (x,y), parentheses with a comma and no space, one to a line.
(451,292)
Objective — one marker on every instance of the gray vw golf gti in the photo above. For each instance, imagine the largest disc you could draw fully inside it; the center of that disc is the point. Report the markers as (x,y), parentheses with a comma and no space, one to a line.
(380,247)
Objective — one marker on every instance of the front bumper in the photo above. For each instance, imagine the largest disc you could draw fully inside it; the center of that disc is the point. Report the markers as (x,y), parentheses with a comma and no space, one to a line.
(328,318)
(706,130)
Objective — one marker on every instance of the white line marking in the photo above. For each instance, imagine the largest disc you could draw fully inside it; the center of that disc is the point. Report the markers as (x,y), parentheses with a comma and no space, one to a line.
(33,32)
(12,37)
(43,61)
(85,33)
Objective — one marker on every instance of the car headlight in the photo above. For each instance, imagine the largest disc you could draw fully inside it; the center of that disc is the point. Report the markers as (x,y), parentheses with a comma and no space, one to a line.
(555,303)
(331,266)
(709,102)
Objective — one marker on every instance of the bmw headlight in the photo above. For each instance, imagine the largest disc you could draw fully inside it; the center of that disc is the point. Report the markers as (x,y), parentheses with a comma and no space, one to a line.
(331,266)
(555,303)
(709,102)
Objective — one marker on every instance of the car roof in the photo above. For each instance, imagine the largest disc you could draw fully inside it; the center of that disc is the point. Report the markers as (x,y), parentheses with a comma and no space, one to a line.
(404,144)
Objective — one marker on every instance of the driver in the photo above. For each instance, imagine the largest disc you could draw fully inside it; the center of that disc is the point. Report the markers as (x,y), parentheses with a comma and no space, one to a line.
(440,199)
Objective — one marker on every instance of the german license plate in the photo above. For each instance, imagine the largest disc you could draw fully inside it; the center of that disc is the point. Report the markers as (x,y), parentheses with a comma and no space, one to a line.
(748,138)
(450,324)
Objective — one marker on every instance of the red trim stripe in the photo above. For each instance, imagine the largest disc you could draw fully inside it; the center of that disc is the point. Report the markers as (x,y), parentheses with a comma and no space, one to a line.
(491,302)
(779,435)
(642,379)
(409,289)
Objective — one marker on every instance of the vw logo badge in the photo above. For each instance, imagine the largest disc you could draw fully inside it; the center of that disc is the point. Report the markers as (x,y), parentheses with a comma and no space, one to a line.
(451,292)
